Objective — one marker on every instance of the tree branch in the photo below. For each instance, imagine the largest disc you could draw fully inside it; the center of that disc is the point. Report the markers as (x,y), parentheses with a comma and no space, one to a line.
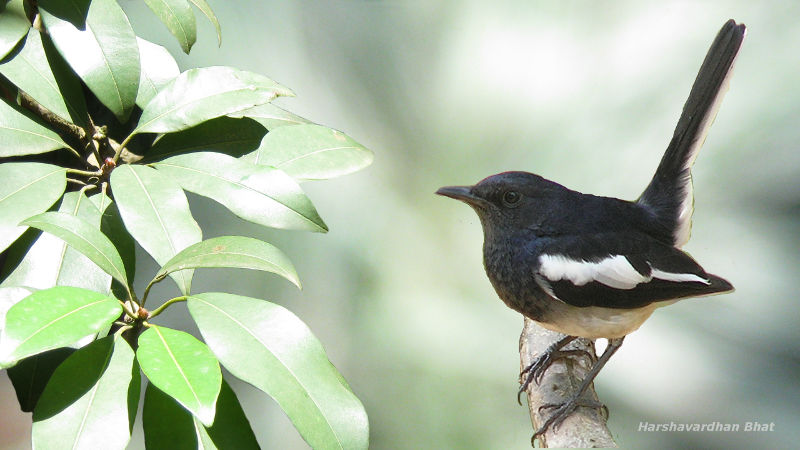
(585,427)
(29,103)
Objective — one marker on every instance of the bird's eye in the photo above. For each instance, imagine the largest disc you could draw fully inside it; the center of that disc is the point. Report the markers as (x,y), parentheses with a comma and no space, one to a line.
(511,198)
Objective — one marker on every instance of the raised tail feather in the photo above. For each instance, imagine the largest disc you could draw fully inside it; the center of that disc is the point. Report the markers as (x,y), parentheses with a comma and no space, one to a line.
(669,194)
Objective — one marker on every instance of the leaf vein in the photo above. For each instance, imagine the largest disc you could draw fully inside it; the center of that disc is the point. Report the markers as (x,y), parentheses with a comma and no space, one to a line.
(297,379)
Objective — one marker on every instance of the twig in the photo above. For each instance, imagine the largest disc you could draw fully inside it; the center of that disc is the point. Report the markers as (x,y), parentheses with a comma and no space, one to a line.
(29,103)
(583,428)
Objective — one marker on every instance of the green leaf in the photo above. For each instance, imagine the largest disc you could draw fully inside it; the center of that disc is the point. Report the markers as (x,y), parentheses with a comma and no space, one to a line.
(269,347)
(311,152)
(22,135)
(169,426)
(232,251)
(83,237)
(178,16)
(270,116)
(86,402)
(202,94)
(156,214)
(39,70)
(103,53)
(10,296)
(14,24)
(231,428)
(72,11)
(203,6)
(31,375)
(53,318)
(234,137)
(158,69)
(27,189)
(112,226)
(50,262)
(183,367)
(259,194)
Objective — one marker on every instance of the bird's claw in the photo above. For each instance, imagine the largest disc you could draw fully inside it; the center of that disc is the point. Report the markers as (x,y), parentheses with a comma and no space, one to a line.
(563,410)
(535,371)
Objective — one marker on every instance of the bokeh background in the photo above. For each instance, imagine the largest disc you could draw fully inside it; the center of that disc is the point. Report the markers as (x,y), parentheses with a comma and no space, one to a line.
(584,93)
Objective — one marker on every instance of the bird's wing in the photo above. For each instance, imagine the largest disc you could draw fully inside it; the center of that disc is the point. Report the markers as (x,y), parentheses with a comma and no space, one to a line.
(616,270)
(669,194)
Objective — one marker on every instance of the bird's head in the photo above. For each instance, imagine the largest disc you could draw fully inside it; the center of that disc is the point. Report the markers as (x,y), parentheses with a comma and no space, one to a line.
(510,201)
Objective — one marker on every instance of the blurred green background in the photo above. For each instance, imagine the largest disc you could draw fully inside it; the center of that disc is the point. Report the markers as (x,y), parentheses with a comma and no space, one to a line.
(584,93)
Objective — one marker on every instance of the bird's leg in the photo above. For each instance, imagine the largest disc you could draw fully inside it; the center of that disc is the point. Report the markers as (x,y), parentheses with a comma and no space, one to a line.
(536,369)
(563,410)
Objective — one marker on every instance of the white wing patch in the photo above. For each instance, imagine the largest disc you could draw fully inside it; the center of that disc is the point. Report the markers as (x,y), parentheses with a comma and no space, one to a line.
(615,272)
(679,277)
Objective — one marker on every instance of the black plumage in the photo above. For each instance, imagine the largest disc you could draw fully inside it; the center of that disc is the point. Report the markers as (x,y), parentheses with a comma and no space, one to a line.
(597,267)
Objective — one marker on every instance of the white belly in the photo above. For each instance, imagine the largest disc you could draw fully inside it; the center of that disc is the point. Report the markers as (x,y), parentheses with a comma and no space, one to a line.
(593,322)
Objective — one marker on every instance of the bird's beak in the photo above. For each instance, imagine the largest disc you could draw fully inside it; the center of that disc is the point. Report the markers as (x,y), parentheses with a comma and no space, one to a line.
(462,193)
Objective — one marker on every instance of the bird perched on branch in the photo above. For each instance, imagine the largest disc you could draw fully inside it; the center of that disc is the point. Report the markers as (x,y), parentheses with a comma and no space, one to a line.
(597,267)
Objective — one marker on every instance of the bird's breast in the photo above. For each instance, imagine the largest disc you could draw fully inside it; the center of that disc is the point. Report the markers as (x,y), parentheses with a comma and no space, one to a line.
(510,267)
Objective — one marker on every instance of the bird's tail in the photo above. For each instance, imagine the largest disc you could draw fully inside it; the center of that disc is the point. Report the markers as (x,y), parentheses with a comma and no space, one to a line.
(669,194)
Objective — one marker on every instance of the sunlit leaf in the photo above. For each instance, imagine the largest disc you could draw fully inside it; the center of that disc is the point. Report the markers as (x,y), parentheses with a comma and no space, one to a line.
(27,189)
(112,226)
(178,16)
(86,402)
(234,137)
(204,7)
(83,237)
(156,214)
(53,318)
(39,70)
(13,24)
(158,69)
(232,251)
(270,116)
(21,135)
(201,94)
(103,53)
(259,194)
(50,262)
(10,296)
(311,152)
(269,347)
(183,367)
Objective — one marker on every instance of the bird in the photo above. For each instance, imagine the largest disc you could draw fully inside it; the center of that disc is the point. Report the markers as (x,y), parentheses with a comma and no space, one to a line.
(597,267)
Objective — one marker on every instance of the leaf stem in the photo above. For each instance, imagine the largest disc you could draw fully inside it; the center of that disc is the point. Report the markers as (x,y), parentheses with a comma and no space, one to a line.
(125,327)
(166,304)
(128,311)
(122,146)
(94,142)
(81,194)
(86,173)
(147,289)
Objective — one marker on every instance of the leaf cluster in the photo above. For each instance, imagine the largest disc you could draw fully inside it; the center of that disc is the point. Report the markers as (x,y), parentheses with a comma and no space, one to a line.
(100,137)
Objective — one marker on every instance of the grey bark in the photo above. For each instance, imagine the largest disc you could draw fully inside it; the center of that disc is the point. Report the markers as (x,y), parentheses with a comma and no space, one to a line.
(585,427)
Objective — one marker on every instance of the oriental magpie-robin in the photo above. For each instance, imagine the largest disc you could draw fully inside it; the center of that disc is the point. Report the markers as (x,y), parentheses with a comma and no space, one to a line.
(597,267)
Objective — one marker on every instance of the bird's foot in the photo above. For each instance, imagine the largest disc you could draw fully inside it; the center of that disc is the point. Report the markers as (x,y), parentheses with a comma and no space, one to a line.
(563,410)
(535,371)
